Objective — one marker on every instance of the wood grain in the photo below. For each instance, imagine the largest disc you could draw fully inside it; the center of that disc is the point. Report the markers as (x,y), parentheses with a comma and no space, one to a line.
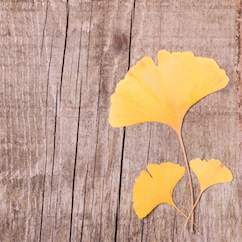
(65,173)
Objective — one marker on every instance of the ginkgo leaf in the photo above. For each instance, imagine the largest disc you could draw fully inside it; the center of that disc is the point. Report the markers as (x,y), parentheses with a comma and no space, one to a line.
(208,174)
(156,187)
(164,93)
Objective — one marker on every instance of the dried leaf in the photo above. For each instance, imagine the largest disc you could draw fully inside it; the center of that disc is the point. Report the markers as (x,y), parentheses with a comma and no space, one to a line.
(210,173)
(164,93)
(156,187)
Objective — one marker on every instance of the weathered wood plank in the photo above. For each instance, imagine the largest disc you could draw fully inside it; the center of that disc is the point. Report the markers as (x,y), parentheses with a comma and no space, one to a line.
(99,146)
(61,125)
(22,119)
(66,175)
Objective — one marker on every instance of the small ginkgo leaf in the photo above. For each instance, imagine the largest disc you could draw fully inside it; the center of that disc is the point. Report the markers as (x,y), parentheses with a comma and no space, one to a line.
(210,173)
(156,187)
(164,93)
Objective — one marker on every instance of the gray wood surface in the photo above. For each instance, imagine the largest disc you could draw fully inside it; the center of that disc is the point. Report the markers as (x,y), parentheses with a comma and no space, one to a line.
(65,173)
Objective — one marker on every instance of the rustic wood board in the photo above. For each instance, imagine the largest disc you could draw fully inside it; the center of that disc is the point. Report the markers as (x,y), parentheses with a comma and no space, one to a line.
(66,174)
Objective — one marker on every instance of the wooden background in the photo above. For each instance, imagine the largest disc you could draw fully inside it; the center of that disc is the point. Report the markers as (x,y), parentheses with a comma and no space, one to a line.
(65,173)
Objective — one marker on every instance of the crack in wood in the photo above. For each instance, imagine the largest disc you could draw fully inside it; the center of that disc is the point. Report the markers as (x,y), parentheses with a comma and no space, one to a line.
(64,52)
(122,155)
(84,199)
(78,125)
(46,137)
(43,36)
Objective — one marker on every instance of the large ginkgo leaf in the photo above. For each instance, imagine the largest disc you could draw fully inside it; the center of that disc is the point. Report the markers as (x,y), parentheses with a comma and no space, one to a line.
(156,187)
(164,93)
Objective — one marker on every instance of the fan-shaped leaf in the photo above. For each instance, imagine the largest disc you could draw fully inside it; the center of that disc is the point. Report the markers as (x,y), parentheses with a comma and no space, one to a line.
(164,93)
(210,173)
(156,187)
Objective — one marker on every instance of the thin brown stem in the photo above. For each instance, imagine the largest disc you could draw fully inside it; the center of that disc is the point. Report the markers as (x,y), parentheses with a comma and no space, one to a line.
(188,218)
(183,214)
(190,179)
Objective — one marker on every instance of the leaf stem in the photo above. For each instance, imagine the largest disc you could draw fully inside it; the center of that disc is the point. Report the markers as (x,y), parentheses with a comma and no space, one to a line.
(183,214)
(190,179)
(188,218)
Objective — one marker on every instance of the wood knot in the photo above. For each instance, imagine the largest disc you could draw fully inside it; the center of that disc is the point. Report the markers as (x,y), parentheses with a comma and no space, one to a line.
(121,42)
(118,42)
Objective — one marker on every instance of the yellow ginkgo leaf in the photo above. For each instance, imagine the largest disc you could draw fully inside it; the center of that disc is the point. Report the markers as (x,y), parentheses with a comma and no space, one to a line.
(209,173)
(156,187)
(164,93)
